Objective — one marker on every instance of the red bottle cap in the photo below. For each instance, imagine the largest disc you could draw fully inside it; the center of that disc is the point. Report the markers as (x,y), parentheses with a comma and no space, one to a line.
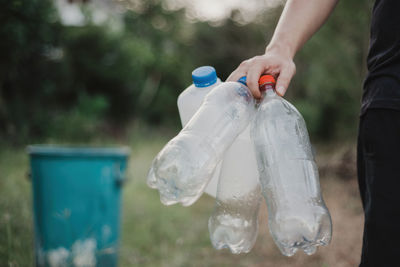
(266,79)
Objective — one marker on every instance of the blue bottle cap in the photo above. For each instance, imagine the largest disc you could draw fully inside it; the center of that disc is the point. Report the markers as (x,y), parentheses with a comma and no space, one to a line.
(243,80)
(204,76)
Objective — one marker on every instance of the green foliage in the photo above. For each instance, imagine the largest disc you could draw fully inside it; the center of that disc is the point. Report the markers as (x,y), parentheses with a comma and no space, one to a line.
(16,223)
(81,121)
(28,30)
(72,81)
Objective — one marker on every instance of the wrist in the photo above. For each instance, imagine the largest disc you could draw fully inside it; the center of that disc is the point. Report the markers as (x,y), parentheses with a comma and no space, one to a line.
(281,49)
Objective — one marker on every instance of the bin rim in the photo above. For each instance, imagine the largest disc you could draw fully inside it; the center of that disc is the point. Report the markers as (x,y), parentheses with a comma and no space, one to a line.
(74,151)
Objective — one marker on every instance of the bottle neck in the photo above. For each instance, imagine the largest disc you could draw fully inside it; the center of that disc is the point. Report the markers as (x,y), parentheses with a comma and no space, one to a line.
(268,89)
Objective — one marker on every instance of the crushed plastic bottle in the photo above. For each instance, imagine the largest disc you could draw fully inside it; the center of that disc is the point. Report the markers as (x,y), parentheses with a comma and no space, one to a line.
(183,168)
(189,101)
(297,215)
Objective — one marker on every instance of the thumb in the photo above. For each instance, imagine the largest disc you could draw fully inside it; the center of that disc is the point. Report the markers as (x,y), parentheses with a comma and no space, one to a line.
(283,81)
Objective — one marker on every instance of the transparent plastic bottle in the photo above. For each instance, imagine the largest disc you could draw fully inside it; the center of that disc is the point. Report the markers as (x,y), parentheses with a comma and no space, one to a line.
(297,215)
(234,221)
(183,168)
(204,80)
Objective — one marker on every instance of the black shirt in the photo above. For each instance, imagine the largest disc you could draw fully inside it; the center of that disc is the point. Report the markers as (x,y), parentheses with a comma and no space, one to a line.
(382,84)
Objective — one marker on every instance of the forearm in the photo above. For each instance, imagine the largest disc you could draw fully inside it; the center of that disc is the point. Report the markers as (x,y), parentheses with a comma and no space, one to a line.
(300,19)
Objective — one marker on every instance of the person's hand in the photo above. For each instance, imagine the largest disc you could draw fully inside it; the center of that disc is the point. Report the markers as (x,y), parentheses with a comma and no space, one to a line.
(273,62)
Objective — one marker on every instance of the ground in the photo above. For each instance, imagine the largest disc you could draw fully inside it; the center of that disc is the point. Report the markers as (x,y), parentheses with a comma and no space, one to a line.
(156,235)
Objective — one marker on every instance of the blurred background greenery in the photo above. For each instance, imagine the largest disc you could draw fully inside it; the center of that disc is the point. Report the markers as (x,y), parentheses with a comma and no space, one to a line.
(102,75)
(109,72)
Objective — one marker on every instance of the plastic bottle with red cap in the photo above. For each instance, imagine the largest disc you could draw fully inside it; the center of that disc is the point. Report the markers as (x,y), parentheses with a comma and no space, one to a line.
(234,221)
(297,215)
(184,167)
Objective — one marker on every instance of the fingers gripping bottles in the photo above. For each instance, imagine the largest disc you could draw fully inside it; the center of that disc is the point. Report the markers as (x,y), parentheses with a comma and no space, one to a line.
(297,215)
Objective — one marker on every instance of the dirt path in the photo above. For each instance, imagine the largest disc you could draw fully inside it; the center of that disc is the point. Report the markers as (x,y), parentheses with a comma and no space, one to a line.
(342,199)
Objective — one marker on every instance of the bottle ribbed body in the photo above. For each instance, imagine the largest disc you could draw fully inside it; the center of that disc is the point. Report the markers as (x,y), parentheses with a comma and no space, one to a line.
(297,215)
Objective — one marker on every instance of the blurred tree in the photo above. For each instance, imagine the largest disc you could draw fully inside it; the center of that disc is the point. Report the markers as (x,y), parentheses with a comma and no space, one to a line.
(70,81)
(29,34)
(163,34)
(227,45)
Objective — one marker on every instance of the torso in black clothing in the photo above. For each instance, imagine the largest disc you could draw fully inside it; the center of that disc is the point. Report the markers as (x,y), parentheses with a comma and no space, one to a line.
(382,84)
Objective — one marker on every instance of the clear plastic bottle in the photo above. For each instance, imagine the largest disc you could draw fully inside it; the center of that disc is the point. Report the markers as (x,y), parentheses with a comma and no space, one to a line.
(204,80)
(186,164)
(234,221)
(297,215)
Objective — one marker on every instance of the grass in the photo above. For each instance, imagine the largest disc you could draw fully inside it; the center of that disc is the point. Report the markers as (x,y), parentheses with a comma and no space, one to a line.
(155,235)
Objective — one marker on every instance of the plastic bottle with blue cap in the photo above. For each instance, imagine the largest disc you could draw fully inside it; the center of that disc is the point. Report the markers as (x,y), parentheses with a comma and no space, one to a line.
(233,223)
(186,164)
(204,79)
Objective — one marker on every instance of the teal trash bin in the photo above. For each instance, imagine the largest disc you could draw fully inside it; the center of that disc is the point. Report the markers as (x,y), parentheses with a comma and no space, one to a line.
(77,204)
